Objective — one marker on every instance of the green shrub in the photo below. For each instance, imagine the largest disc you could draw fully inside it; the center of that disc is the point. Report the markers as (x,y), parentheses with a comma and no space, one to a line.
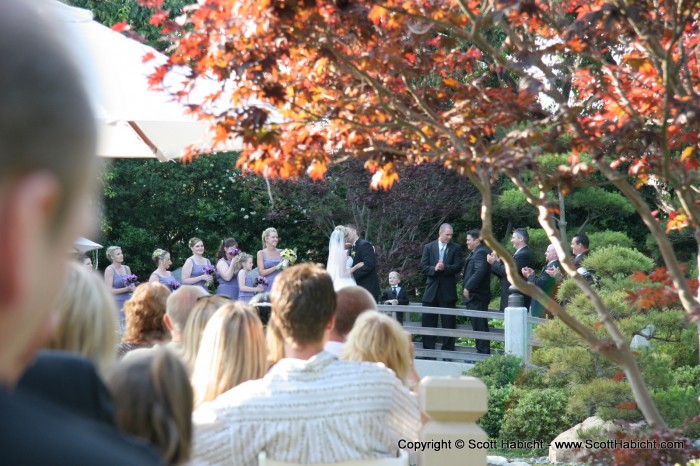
(532,377)
(688,376)
(497,371)
(677,404)
(602,239)
(498,400)
(615,261)
(605,398)
(657,369)
(537,414)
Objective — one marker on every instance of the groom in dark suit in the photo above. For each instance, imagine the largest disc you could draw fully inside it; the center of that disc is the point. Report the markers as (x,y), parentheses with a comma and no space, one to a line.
(440,263)
(522,257)
(363,251)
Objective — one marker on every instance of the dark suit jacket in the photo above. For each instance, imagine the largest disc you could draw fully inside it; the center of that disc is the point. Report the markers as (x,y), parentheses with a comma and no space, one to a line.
(578,260)
(477,274)
(523,258)
(365,276)
(548,285)
(442,283)
(388,294)
(70,381)
(34,431)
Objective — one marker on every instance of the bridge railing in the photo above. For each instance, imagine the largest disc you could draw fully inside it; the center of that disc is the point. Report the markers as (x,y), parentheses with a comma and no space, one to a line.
(516,334)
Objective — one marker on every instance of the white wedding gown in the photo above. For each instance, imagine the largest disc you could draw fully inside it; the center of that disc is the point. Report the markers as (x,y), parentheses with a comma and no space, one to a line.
(337,265)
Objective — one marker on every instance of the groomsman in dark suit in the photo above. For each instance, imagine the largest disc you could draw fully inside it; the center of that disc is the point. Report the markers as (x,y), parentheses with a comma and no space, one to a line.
(440,263)
(522,257)
(477,285)
(363,251)
(395,294)
(544,280)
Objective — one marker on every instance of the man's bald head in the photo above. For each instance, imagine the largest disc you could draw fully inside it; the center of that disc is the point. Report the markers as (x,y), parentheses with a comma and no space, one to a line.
(351,302)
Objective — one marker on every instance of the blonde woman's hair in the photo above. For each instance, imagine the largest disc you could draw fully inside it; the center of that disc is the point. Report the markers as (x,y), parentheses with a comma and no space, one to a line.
(110,250)
(88,315)
(376,337)
(153,401)
(232,352)
(159,255)
(201,312)
(267,233)
(241,259)
(274,343)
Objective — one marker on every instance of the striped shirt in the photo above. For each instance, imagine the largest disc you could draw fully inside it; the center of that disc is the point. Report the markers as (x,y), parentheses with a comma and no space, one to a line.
(320,410)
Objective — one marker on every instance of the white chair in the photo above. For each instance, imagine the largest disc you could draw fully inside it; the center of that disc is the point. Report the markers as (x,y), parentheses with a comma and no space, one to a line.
(402,460)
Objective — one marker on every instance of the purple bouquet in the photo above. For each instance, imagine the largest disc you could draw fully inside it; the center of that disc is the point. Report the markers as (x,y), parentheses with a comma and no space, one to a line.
(234,252)
(261,281)
(131,280)
(174,285)
(212,285)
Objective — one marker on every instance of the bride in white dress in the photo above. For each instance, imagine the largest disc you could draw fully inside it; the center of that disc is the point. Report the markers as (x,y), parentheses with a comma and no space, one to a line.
(339,262)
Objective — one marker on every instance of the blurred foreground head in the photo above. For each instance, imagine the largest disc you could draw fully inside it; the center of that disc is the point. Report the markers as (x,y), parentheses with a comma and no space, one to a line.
(47,167)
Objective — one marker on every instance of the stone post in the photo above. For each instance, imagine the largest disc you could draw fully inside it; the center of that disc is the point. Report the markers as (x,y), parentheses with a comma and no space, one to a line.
(517,331)
(453,405)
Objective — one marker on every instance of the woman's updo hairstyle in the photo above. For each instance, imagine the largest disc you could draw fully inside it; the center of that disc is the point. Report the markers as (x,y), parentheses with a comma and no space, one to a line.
(194,241)
(110,250)
(267,233)
(159,255)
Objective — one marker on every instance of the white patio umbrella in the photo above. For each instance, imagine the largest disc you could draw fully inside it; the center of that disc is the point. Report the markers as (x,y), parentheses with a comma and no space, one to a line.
(84,245)
(133,121)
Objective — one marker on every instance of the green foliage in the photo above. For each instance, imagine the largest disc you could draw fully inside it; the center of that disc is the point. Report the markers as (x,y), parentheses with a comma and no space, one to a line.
(687,377)
(608,399)
(538,245)
(602,239)
(110,12)
(657,368)
(498,370)
(617,261)
(677,404)
(538,414)
(532,378)
(498,404)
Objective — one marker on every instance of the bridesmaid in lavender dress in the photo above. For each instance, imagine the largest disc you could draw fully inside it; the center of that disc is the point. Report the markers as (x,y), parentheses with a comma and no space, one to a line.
(227,268)
(246,282)
(162,274)
(270,263)
(193,270)
(115,279)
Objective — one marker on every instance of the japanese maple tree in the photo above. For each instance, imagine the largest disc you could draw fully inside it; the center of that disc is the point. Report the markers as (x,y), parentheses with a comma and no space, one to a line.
(485,87)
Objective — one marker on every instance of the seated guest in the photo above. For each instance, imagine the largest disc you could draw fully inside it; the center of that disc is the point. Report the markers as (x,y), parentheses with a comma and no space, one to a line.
(204,308)
(47,174)
(350,302)
(232,352)
(153,401)
(310,407)
(395,294)
(376,337)
(177,310)
(71,381)
(144,312)
(87,318)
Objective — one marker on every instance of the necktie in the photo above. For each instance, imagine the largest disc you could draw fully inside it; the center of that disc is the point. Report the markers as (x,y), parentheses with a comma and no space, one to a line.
(442,252)
(394,290)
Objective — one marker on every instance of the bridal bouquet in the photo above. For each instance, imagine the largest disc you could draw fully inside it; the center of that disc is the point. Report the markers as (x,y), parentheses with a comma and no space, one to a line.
(234,252)
(212,285)
(289,255)
(131,280)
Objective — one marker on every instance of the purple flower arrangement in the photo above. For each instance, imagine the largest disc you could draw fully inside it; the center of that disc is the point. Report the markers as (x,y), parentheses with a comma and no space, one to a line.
(131,280)
(174,285)
(261,281)
(212,285)
(234,252)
